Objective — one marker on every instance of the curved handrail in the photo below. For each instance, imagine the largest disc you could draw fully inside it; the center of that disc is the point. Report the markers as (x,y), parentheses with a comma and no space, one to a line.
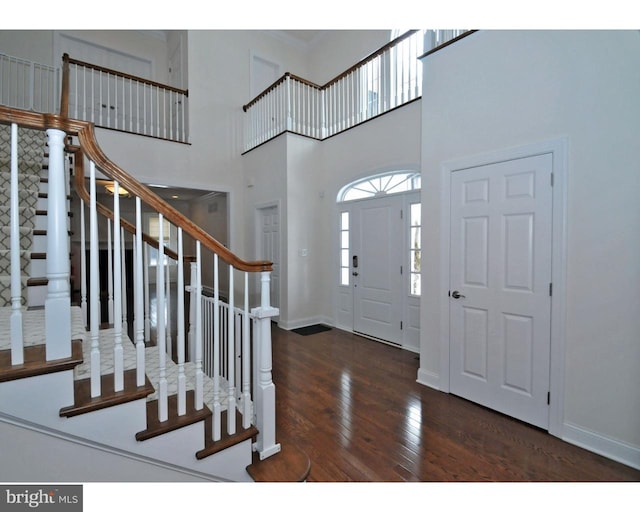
(84,130)
(79,180)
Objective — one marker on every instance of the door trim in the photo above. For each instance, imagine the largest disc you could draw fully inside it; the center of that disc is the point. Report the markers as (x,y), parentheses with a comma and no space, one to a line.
(558,149)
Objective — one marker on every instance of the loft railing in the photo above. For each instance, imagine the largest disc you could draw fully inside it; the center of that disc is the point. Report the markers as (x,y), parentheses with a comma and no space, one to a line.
(241,383)
(28,85)
(386,79)
(119,101)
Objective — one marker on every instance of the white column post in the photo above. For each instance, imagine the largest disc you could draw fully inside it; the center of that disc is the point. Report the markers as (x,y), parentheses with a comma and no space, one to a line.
(58,302)
(265,398)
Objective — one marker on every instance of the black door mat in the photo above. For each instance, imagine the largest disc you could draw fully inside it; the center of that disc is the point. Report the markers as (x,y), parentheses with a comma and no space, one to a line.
(311,329)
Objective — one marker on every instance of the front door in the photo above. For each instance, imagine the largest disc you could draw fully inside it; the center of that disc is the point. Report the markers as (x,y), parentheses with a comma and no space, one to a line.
(377,259)
(500,286)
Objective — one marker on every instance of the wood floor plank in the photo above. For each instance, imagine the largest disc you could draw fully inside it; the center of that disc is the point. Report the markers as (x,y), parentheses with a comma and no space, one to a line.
(354,406)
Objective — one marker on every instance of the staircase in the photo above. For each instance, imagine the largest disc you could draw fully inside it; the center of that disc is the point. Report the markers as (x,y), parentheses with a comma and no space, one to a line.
(71,381)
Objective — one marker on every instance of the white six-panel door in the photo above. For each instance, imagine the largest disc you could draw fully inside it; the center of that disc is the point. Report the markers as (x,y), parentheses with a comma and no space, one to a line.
(500,302)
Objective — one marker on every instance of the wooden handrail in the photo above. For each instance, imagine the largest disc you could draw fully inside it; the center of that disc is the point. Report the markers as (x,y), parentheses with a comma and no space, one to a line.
(450,41)
(68,60)
(360,63)
(79,180)
(86,134)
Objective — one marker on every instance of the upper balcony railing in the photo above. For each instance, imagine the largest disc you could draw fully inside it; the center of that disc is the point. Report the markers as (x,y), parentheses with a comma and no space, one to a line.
(28,85)
(386,79)
(108,98)
(119,101)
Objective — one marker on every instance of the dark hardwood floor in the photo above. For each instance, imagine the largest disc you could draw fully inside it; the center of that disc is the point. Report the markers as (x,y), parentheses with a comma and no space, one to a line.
(356,409)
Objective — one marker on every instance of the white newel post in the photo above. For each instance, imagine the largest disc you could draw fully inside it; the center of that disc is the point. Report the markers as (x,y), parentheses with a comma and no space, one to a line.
(266,390)
(58,302)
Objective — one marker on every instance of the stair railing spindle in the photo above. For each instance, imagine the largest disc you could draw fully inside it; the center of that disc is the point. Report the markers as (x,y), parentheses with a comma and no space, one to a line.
(182,386)
(116,307)
(217,408)
(199,384)
(138,301)
(167,282)
(161,341)
(147,320)
(94,286)
(123,262)
(231,388)
(17,350)
(246,359)
(109,272)
(83,266)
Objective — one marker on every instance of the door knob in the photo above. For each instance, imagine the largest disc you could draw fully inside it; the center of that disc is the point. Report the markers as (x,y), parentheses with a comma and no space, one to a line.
(457,295)
(354,273)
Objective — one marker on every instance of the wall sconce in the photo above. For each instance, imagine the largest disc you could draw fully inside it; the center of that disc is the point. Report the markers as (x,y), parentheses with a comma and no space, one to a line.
(122,192)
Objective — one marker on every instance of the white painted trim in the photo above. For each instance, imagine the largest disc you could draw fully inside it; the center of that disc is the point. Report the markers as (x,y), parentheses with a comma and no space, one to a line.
(304,322)
(430,379)
(605,446)
(57,434)
(558,148)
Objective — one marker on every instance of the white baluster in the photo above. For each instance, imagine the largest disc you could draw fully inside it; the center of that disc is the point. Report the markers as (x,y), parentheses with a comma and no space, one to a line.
(83,267)
(17,350)
(123,262)
(246,359)
(199,391)
(147,320)
(160,326)
(182,385)
(94,285)
(289,106)
(116,307)
(191,338)
(109,273)
(217,408)
(138,300)
(167,283)
(231,389)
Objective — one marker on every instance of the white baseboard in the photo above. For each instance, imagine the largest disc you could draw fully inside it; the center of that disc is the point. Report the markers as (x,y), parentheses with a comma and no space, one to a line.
(597,443)
(303,322)
(429,379)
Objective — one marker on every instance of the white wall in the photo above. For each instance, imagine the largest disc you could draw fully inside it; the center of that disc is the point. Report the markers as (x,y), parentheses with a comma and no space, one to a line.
(338,50)
(502,89)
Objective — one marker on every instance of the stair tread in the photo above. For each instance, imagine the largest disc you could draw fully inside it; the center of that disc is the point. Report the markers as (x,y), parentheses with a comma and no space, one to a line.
(84,403)
(290,464)
(155,427)
(226,440)
(35,362)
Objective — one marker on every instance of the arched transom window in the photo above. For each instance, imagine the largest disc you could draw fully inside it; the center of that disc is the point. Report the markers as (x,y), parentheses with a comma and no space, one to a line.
(380,185)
